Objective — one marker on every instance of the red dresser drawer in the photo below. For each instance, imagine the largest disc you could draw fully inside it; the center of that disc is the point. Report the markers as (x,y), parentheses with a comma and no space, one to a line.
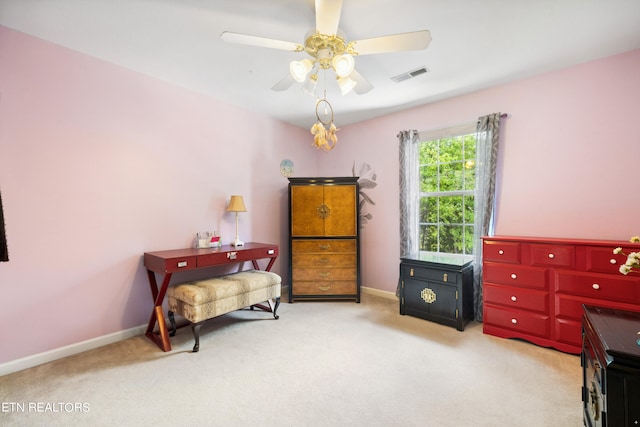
(603,260)
(570,307)
(546,255)
(569,332)
(515,275)
(501,251)
(516,298)
(599,286)
(517,320)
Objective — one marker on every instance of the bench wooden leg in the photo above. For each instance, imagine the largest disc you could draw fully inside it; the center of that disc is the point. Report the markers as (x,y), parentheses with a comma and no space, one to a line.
(274,308)
(173,324)
(195,328)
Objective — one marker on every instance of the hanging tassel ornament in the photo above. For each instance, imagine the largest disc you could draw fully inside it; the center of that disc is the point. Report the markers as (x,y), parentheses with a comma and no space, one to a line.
(324,131)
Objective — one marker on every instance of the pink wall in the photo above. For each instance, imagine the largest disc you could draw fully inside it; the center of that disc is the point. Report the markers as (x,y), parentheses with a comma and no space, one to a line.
(569,165)
(99,164)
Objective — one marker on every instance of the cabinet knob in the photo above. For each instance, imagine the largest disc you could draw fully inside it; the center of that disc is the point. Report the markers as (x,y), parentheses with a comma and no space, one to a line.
(514,321)
(501,252)
(595,286)
(514,276)
(613,261)
(552,256)
(513,298)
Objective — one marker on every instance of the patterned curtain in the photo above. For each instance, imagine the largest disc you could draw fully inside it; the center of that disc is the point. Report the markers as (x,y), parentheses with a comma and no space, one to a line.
(4,252)
(488,133)
(409,194)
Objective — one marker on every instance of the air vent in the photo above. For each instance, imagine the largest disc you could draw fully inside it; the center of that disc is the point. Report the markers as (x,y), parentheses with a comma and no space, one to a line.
(410,74)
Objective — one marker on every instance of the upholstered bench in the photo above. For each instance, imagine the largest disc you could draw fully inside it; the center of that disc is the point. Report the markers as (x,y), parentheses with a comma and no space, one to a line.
(201,300)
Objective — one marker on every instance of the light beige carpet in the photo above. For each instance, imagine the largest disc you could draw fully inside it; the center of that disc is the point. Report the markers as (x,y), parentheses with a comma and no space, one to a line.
(320,364)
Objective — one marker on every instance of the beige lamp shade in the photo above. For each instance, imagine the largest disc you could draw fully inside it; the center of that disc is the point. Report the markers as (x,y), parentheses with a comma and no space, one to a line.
(236,204)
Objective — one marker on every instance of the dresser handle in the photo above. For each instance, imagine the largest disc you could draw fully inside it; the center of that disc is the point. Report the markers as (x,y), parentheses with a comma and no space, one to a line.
(324,247)
(552,256)
(514,276)
(514,321)
(324,274)
(613,261)
(500,252)
(323,260)
(513,298)
(595,286)
(324,288)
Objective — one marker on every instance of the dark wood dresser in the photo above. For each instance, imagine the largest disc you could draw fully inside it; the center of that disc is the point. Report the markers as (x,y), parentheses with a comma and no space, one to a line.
(324,248)
(610,362)
(437,288)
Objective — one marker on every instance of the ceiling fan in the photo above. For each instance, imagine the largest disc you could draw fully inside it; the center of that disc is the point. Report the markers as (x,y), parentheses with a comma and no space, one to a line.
(328,49)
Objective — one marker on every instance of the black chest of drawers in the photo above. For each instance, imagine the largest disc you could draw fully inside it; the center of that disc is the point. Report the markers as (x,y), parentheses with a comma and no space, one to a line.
(437,288)
(610,362)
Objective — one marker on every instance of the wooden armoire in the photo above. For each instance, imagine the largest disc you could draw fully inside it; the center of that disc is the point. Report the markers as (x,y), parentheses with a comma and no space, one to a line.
(324,245)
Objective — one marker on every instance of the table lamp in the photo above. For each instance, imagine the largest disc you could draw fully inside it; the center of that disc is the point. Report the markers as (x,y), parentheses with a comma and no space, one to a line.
(236,204)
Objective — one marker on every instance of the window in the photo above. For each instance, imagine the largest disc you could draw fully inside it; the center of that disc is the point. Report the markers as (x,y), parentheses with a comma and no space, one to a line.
(447,171)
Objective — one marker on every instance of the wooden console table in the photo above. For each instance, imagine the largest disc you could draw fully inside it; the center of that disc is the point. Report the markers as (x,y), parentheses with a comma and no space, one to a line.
(179,260)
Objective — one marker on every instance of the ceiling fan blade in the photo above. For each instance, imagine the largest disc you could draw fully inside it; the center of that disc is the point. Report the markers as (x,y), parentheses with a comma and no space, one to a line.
(415,40)
(363,86)
(284,84)
(328,16)
(260,41)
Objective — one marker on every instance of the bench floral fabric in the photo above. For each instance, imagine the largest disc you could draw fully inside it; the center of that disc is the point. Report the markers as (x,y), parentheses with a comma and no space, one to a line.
(201,300)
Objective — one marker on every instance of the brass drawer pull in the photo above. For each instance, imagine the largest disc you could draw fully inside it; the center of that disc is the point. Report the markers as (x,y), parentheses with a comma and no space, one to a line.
(324,274)
(324,247)
(324,288)
(323,261)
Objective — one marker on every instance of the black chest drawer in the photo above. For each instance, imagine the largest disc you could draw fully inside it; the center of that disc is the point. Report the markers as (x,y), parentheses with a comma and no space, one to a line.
(438,291)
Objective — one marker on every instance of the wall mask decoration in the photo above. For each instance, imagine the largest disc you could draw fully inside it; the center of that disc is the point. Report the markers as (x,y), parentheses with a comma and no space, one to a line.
(367,181)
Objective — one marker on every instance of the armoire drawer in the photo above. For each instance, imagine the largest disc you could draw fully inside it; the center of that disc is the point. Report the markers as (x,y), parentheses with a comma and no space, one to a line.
(323,246)
(516,298)
(323,260)
(342,287)
(324,274)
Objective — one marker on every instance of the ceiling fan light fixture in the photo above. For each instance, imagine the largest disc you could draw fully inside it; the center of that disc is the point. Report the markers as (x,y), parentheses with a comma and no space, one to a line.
(310,85)
(300,69)
(346,84)
(343,64)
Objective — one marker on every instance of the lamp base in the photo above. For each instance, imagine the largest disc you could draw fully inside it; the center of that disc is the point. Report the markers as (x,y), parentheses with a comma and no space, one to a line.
(237,242)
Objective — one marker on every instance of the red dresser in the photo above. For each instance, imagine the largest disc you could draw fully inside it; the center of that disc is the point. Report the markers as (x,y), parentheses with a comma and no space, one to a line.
(534,288)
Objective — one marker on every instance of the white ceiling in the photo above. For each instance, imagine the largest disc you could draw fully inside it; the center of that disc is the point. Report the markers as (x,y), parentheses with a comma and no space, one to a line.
(476,44)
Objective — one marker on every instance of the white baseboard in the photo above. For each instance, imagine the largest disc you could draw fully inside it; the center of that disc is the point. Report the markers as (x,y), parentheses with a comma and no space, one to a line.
(379,293)
(363,290)
(69,350)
